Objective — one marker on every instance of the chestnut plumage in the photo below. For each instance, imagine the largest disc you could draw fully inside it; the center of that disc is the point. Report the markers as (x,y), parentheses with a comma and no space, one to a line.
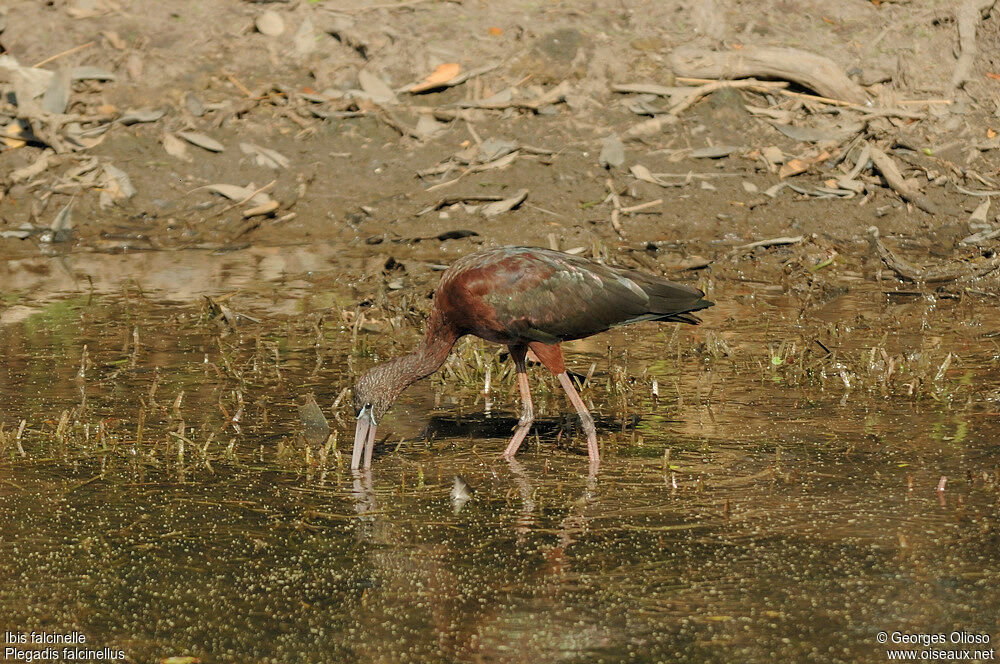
(522,297)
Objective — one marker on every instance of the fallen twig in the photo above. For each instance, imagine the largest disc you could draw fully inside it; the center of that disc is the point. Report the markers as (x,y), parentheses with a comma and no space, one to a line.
(502,162)
(642,206)
(709,88)
(645,89)
(772,242)
(51,58)
(391,120)
(971,192)
(39,166)
(616,212)
(553,96)
(242,88)
(887,167)
(245,200)
(868,110)
(451,200)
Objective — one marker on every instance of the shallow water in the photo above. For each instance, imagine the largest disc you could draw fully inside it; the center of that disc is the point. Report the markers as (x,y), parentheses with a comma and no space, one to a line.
(774,503)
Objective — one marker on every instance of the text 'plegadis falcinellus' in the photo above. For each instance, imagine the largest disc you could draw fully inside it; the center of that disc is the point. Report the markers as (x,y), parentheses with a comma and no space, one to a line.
(522,297)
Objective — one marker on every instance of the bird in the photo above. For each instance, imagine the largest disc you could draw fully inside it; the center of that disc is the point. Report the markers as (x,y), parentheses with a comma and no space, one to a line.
(524,298)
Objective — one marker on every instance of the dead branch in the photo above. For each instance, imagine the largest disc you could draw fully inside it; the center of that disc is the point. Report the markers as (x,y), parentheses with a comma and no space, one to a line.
(709,88)
(656,125)
(553,96)
(887,167)
(816,72)
(967,17)
(772,242)
(390,120)
(876,111)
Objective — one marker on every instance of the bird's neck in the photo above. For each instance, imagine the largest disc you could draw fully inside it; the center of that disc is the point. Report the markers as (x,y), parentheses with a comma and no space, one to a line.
(426,358)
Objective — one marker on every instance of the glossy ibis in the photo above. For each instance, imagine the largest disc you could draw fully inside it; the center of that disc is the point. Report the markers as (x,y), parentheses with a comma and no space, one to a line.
(522,297)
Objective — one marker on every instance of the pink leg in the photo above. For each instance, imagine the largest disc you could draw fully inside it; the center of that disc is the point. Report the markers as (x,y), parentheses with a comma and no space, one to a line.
(585,419)
(527,411)
(527,417)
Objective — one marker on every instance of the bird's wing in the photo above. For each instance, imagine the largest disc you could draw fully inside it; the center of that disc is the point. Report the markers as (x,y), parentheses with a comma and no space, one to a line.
(551,297)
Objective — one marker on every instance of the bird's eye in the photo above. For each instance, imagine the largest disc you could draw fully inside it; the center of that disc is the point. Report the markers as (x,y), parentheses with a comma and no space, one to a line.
(368,405)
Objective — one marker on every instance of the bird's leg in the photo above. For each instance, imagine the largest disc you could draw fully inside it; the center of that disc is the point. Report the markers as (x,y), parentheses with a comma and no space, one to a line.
(527,411)
(586,419)
(527,416)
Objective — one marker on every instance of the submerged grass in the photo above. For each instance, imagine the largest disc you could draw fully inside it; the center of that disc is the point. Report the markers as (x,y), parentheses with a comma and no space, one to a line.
(222,383)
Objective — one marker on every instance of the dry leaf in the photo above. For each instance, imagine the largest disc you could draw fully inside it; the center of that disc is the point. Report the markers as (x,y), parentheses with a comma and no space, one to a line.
(194,105)
(239,194)
(440,76)
(773,154)
(202,141)
(981,211)
(266,208)
(175,147)
(305,38)
(88,73)
(30,81)
(429,127)
(10,131)
(499,164)
(376,89)
(713,151)
(506,205)
(231,191)
(56,97)
(612,152)
(640,172)
(264,156)
(269,23)
(117,182)
(793,167)
(142,115)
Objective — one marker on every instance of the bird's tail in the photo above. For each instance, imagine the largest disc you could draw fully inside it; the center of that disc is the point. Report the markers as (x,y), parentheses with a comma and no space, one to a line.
(675,302)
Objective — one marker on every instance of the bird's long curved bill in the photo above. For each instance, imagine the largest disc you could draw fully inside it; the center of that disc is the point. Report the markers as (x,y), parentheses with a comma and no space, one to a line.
(364,439)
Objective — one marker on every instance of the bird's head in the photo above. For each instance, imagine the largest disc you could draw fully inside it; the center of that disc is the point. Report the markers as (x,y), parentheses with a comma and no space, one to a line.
(374,393)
